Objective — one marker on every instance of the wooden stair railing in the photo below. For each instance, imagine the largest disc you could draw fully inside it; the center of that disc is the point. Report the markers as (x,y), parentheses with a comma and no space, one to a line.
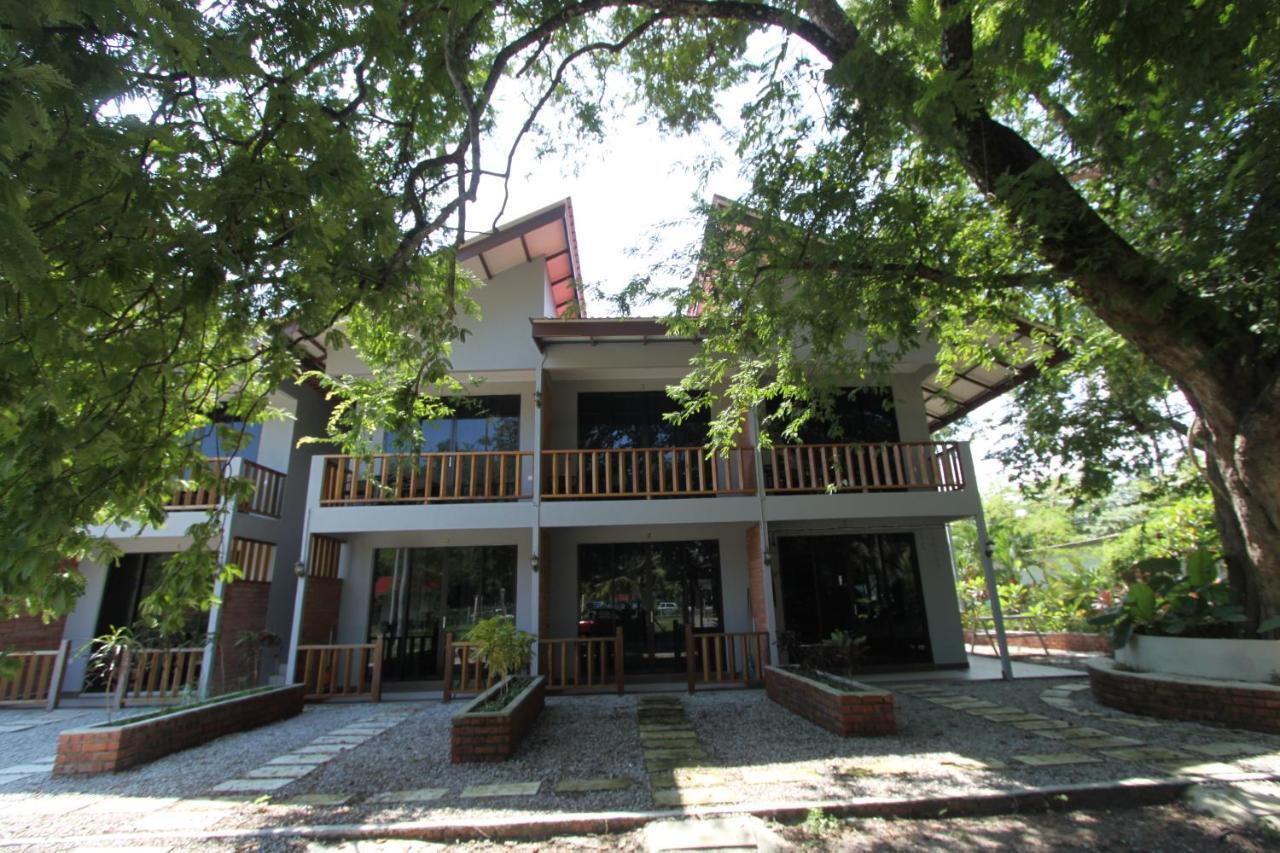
(345,670)
(37,678)
(582,662)
(725,657)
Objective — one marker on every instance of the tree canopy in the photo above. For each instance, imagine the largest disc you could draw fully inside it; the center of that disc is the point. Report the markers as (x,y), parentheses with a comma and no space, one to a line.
(195,188)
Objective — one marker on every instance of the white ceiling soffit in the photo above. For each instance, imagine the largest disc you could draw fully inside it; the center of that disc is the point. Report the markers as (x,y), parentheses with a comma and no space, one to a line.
(546,233)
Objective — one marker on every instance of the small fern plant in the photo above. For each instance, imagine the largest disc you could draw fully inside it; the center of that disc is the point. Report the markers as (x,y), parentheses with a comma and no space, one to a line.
(502,647)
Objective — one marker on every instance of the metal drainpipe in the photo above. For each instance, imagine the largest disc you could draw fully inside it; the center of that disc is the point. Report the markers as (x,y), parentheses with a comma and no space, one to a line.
(536,496)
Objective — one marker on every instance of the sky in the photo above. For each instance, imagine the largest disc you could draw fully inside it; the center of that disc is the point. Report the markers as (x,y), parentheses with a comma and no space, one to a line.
(625,189)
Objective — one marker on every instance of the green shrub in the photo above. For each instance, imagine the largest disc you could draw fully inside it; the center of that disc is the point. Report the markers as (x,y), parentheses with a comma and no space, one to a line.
(501,646)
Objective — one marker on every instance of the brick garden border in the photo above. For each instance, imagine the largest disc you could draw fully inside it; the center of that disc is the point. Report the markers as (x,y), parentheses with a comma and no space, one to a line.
(859,710)
(108,748)
(1238,704)
(1058,641)
(478,736)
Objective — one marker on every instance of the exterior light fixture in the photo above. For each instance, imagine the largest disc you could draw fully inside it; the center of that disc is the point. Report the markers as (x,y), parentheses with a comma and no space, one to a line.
(300,569)
(533,563)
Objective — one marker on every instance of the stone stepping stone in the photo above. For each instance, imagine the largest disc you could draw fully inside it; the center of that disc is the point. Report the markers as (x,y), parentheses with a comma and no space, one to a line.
(1216,771)
(26,769)
(1009,717)
(5,778)
(1056,759)
(664,737)
(173,820)
(509,789)
(419,795)
(252,786)
(585,786)
(693,797)
(1106,742)
(354,740)
(315,800)
(779,775)
(914,689)
(311,759)
(1037,725)
(14,727)
(973,763)
(1071,688)
(689,777)
(322,749)
(1228,749)
(726,833)
(280,771)
(1145,753)
(1072,733)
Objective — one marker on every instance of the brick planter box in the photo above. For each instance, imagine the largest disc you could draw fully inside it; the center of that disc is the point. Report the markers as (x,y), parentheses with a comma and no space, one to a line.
(1238,704)
(1061,641)
(108,748)
(496,735)
(853,711)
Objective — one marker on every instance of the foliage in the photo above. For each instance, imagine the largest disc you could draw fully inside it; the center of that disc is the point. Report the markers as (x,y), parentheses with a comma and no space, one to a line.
(105,659)
(502,648)
(1175,597)
(818,823)
(1170,526)
(841,653)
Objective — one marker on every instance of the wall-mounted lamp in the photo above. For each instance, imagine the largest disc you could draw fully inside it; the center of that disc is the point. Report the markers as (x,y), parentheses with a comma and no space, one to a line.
(537,399)
(300,569)
(768,559)
(989,549)
(533,563)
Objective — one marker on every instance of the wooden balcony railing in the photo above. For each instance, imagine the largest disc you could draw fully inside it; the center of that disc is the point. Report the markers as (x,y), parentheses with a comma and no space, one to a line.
(201,497)
(406,478)
(268,489)
(37,677)
(649,472)
(898,466)
(582,662)
(725,657)
(350,670)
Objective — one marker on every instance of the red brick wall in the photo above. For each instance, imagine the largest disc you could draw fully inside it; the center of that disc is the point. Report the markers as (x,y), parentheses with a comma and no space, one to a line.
(1256,708)
(1064,641)
(244,608)
(845,714)
(106,749)
(30,634)
(495,737)
(755,580)
(320,610)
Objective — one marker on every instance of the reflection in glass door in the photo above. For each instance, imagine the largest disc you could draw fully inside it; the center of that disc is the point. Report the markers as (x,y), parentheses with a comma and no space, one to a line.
(651,590)
(420,594)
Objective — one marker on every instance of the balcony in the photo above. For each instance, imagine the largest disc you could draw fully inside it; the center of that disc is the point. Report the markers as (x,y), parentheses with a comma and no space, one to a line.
(636,473)
(424,478)
(268,489)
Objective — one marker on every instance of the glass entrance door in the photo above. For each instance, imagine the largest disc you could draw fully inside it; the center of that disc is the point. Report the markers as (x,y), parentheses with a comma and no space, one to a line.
(421,594)
(867,585)
(651,590)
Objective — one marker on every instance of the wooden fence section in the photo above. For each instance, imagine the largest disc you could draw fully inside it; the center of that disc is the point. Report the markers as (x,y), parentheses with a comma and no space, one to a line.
(927,465)
(646,472)
(157,674)
(268,489)
(200,497)
(350,670)
(37,679)
(254,557)
(461,662)
(725,657)
(325,553)
(407,478)
(582,662)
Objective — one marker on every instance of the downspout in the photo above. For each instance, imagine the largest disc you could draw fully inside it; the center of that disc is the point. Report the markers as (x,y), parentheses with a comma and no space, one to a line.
(535,561)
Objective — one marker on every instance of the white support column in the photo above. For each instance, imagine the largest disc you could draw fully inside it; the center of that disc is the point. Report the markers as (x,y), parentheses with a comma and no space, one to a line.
(299,597)
(215,612)
(988,567)
(535,548)
(766,558)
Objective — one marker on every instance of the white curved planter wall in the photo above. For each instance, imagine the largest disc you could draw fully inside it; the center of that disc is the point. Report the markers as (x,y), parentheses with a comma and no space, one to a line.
(1230,660)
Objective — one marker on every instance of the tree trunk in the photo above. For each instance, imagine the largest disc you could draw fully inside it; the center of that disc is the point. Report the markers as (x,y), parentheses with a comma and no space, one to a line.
(1235,553)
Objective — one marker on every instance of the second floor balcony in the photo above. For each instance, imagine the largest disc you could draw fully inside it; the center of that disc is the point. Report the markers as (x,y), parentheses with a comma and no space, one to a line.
(640,473)
(266,499)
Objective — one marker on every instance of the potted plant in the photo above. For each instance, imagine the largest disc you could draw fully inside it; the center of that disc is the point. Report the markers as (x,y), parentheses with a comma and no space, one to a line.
(491,726)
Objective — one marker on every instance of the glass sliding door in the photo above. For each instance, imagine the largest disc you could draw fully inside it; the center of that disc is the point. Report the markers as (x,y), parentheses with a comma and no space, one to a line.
(421,594)
(651,590)
(866,584)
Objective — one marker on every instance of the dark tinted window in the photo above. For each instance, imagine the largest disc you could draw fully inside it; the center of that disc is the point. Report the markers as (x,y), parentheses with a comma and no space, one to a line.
(635,419)
(857,414)
(477,423)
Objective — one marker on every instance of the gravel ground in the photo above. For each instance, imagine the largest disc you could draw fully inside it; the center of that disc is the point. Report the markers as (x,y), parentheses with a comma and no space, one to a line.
(755,749)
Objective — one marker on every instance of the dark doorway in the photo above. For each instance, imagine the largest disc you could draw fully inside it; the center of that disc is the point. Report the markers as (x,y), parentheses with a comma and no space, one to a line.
(614,419)
(865,584)
(421,594)
(651,590)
